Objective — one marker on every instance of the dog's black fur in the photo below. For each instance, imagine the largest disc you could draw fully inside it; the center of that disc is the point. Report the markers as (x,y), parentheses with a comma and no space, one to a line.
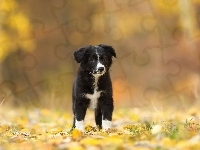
(84,83)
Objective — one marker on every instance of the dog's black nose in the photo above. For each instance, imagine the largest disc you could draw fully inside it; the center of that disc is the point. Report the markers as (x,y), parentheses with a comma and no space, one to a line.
(100,69)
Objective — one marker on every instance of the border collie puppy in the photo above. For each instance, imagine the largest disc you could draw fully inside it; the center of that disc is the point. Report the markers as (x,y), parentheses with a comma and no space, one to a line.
(92,86)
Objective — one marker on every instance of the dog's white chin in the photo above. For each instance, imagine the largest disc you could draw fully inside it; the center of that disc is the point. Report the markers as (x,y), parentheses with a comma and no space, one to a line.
(97,75)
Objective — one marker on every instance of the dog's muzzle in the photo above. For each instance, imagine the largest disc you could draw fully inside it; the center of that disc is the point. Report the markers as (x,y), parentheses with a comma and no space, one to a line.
(100,69)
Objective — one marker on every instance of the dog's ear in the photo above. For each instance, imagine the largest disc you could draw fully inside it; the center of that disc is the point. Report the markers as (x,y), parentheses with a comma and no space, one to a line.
(80,53)
(109,49)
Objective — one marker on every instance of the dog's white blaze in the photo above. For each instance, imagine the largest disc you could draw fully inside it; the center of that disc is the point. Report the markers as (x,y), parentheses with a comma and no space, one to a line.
(99,65)
(106,124)
(80,125)
(98,62)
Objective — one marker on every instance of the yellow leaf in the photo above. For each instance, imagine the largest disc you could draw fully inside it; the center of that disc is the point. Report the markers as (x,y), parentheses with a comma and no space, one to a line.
(113,140)
(90,141)
(9,134)
(168,142)
(74,146)
(76,134)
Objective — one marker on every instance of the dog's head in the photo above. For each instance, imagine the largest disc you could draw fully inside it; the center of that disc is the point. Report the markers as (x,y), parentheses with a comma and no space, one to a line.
(95,59)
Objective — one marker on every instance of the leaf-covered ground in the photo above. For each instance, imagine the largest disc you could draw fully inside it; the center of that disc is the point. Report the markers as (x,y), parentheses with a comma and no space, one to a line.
(133,128)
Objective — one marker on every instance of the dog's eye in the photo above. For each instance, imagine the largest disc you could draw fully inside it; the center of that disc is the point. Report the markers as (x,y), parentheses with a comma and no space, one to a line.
(93,58)
(102,58)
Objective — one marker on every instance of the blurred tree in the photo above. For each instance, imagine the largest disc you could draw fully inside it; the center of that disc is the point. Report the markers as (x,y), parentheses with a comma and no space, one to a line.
(15,29)
(15,40)
(60,27)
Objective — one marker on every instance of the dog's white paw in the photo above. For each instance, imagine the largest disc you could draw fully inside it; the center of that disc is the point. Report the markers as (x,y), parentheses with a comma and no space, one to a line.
(106,124)
(80,125)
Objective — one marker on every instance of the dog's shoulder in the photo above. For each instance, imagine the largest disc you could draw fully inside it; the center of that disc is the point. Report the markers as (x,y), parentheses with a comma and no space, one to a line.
(82,82)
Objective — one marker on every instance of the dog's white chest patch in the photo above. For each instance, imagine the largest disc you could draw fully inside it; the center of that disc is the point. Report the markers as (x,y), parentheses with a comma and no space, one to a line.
(93,99)
(96,94)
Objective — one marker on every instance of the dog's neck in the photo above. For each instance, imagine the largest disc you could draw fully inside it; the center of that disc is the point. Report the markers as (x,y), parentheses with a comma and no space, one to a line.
(96,79)
(92,77)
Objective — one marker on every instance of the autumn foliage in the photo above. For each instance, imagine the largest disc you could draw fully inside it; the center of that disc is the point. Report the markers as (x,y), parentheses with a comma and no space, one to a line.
(132,129)
(156,81)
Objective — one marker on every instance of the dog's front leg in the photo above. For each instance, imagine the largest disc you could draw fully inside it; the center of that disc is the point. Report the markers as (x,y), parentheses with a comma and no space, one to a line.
(80,112)
(98,117)
(107,111)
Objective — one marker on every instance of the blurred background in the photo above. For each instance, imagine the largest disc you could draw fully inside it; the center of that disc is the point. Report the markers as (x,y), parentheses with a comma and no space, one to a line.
(156,41)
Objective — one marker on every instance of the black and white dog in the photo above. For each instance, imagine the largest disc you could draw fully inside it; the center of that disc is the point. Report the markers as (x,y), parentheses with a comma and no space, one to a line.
(92,87)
